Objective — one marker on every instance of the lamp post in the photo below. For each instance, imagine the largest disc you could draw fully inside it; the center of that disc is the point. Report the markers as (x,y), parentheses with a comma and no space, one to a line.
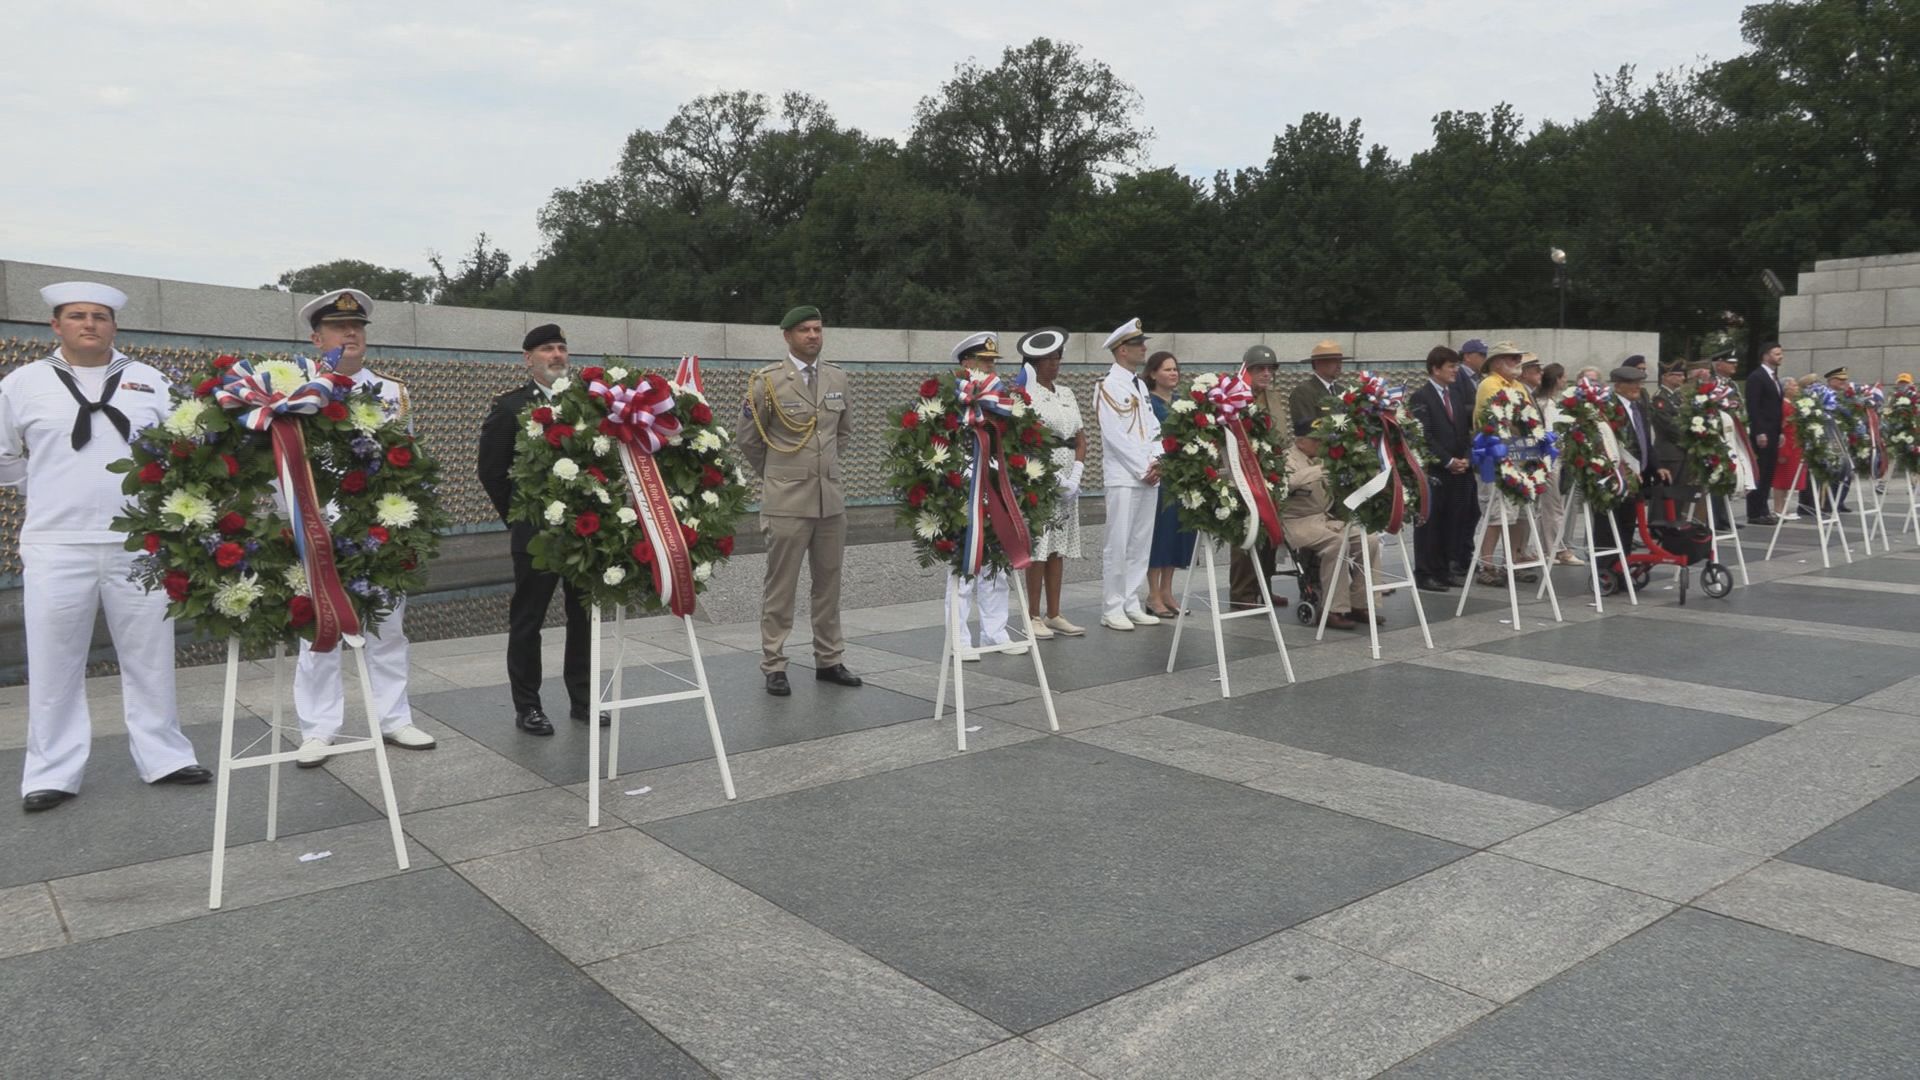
(1559,258)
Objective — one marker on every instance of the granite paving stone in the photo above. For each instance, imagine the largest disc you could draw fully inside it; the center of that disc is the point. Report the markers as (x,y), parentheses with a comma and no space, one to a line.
(490,826)
(1733,809)
(1654,863)
(1902,571)
(263,992)
(1015,1059)
(1902,697)
(1034,880)
(1489,925)
(1845,762)
(1885,610)
(1874,843)
(1875,919)
(1290,1005)
(456,770)
(28,921)
(1698,997)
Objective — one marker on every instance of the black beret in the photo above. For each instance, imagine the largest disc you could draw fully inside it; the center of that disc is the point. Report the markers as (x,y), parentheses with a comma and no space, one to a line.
(540,335)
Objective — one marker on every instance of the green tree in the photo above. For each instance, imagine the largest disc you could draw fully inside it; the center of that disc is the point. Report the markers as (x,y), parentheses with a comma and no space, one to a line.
(483,278)
(379,282)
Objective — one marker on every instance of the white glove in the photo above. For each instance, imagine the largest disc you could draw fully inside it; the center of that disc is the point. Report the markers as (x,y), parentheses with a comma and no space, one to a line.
(1070,480)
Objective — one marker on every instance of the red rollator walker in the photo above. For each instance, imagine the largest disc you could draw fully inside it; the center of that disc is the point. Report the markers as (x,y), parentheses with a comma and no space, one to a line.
(1671,543)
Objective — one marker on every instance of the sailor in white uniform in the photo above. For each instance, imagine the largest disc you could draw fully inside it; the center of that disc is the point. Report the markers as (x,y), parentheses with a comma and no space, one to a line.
(1130,469)
(63,420)
(986,593)
(339,321)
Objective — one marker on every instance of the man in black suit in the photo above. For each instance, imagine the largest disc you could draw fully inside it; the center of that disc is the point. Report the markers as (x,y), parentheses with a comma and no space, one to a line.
(1446,417)
(1764,405)
(545,349)
(1643,442)
(1466,386)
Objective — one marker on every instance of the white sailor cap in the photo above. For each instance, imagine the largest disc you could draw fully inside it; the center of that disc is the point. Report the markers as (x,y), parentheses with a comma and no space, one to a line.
(83,292)
(983,344)
(340,305)
(1131,330)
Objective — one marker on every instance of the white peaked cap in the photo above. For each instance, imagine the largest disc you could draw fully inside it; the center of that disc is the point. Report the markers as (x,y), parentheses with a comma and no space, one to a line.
(1125,332)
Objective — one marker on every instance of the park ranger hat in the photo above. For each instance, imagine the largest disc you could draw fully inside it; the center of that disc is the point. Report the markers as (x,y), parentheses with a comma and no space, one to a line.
(1506,348)
(83,292)
(340,305)
(1259,356)
(1131,330)
(1327,350)
(1042,343)
(1528,360)
(982,345)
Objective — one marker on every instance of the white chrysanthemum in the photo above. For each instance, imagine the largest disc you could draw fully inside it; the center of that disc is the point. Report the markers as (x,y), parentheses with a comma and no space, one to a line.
(1194,500)
(1185,405)
(928,408)
(627,516)
(702,571)
(566,468)
(296,579)
(1338,420)
(1035,470)
(560,384)
(395,511)
(602,444)
(1016,408)
(691,523)
(189,506)
(534,430)
(937,457)
(926,526)
(614,575)
(708,441)
(235,599)
(366,417)
(1223,511)
(710,498)
(680,503)
(556,512)
(184,420)
(282,376)
(1207,381)
(601,494)
(1195,449)
(615,374)
(1699,423)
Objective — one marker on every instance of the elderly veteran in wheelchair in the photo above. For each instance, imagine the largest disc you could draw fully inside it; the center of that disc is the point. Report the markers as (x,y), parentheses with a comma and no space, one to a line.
(1309,525)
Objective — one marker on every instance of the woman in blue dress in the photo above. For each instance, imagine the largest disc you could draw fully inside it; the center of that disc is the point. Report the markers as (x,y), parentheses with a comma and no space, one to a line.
(1172,546)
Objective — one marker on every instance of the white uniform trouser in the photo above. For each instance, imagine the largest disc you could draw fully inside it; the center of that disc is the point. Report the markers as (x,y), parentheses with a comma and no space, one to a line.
(63,586)
(320,697)
(986,593)
(1129,542)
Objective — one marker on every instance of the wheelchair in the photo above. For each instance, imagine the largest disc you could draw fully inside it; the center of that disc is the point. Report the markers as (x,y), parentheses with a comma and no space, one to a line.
(1304,566)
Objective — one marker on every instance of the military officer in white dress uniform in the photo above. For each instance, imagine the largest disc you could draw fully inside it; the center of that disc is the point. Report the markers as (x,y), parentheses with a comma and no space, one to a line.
(1130,468)
(339,321)
(986,593)
(63,420)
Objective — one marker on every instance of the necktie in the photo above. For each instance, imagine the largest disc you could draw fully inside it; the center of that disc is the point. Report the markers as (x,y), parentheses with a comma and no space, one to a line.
(1640,433)
(83,422)
(1446,400)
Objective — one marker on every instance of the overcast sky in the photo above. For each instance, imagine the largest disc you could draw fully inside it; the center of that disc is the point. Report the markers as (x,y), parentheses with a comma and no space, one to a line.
(229,140)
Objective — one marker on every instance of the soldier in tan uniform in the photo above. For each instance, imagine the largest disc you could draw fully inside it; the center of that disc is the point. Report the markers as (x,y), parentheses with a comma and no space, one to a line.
(796,424)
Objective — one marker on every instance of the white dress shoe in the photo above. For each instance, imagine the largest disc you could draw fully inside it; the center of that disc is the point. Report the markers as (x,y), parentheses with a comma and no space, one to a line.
(1141,618)
(1112,623)
(1017,650)
(1041,631)
(313,752)
(410,738)
(1059,625)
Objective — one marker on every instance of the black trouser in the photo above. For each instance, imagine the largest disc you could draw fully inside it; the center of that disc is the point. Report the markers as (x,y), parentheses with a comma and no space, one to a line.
(1446,540)
(1766,459)
(1243,586)
(532,593)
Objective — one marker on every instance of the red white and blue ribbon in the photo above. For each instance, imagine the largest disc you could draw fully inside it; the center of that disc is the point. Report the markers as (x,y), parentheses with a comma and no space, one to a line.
(1871,398)
(280,410)
(1733,434)
(985,402)
(1230,399)
(1380,401)
(641,420)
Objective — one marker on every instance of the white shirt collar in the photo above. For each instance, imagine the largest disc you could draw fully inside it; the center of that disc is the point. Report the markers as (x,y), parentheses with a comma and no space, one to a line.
(800,365)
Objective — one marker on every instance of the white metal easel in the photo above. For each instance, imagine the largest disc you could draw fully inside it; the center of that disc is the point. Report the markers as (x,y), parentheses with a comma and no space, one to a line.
(1826,519)
(1218,617)
(1506,548)
(607,697)
(1343,577)
(954,653)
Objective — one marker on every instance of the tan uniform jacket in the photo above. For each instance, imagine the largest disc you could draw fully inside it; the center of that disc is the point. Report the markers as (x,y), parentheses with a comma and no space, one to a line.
(802,475)
(1307,515)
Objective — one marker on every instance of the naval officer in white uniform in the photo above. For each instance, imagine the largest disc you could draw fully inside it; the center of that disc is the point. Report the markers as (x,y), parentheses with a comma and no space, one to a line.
(339,320)
(987,592)
(1130,469)
(63,420)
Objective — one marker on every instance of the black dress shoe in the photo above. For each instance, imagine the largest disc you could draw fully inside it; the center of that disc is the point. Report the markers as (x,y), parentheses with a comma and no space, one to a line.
(191,774)
(533,722)
(580,716)
(36,801)
(1428,584)
(777,684)
(837,673)
(1342,621)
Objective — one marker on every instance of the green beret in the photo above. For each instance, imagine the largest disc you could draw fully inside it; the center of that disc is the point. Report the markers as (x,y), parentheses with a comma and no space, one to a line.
(798,315)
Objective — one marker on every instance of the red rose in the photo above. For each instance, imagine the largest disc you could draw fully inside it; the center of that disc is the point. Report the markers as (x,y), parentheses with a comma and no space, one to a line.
(1033,498)
(587,523)
(1273,478)
(176,583)
(950,422)
(409,564)
(956,480)
(1200,419)
(1170,444)
(937,440)
(1336,453)
(299,611)
(909,419)
(1199,395)
(643,552)
(1016,461)
(228,555)
(930,388)
(1579,436)
(593,374)
(559,433)
(1212,473)
(594,471)
(333,410)
(152,472)
(712,477)
(181,450)
(609,428)
(1347,398)
(151,543)
(1031,436)
(232,463)
(232,523)
(725,544)
(916,496)
(399,457)
(944,546)
(701,413)
(354,482)
(1267,420)
(206,386)
(692,537)
(379,532)
(543,415)
(224,362)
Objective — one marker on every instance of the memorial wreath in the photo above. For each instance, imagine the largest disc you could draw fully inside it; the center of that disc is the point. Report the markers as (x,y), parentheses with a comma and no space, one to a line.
(1903,427)
(1714,439)
(1860,405)
(1511,445)
(1222,465)
(1374,450)
(1591,420)
(969,461)
(280,501)
(624,476)
(1822,445)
